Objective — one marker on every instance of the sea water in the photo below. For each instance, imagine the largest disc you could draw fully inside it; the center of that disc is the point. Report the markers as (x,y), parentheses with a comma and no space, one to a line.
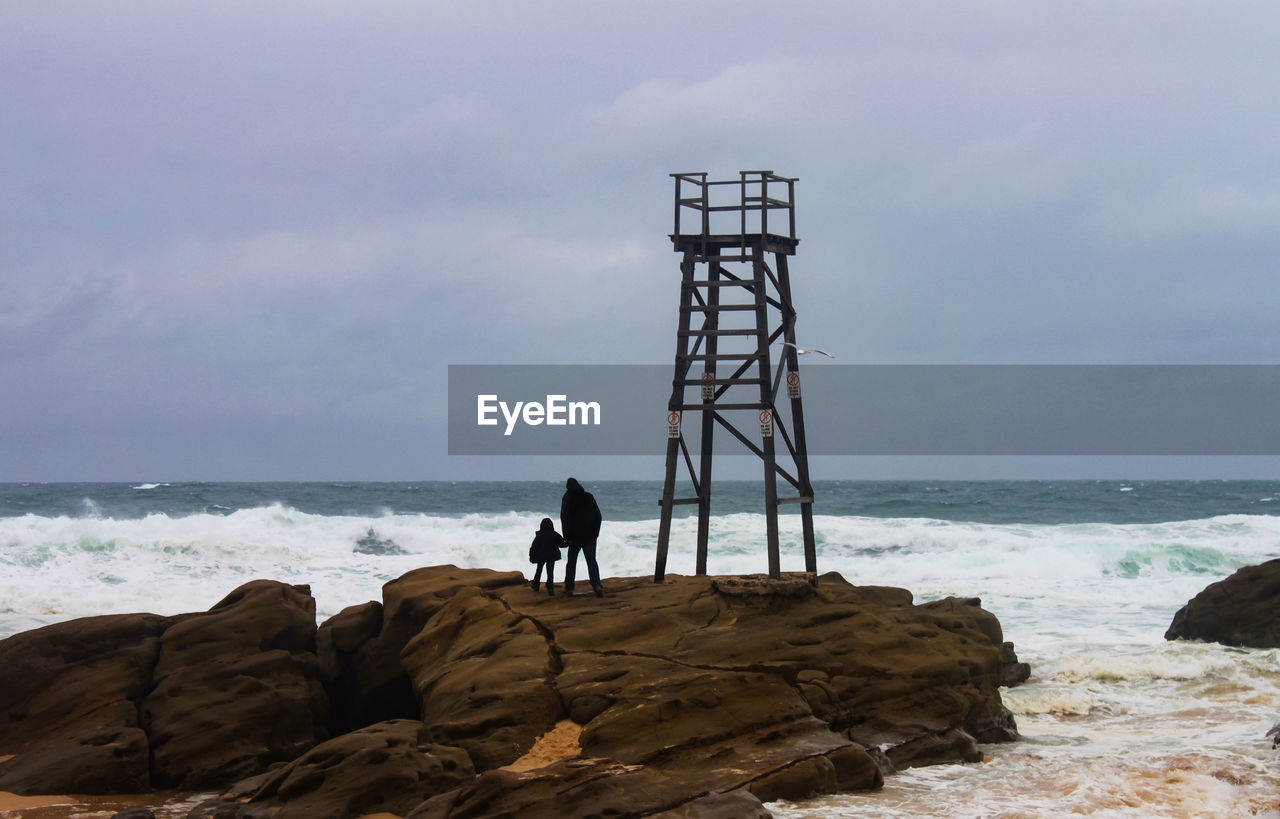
(1084,576)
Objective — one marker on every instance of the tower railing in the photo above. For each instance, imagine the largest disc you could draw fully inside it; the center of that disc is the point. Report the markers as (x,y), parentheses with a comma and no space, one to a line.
(722,229)
(751,207)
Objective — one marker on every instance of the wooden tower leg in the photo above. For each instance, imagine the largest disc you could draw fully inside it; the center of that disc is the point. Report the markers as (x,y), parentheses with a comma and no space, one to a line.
(673,405)
(797,428)
(710,325)
(668,496)
(704,495)
(766,401)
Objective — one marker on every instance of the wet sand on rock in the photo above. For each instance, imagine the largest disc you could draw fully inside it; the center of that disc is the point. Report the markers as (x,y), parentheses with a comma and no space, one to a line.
(561,742)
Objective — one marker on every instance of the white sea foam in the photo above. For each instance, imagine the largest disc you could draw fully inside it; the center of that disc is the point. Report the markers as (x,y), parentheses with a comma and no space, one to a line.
(1036,577)
(1160,729)
(1163,661)
(1040,699)
(1067,780)
(1168,729)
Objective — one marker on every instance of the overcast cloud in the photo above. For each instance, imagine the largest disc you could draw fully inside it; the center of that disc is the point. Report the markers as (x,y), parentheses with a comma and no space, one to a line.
(243,240)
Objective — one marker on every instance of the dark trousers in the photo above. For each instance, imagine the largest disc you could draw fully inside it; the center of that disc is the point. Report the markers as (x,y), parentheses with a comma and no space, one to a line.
(588,549)
(551,570)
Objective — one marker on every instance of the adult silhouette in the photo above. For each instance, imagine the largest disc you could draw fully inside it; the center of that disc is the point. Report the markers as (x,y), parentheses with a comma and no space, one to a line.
(580,524)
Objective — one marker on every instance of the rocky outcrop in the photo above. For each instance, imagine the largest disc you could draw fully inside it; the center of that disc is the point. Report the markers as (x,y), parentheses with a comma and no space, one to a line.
(337,641)
(485,677)
(69,700)
(732,805)
(582,787)
(1242,610)
(235,689)
(126,703)
(1015,672)
(712,686)
(386,767)
(365,676)
(696,697)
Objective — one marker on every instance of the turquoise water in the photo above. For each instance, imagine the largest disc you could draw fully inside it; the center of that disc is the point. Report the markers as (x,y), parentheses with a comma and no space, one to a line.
(1031,502)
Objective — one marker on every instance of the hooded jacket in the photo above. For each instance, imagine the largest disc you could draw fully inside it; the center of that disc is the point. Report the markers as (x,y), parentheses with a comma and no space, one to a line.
(579,514)
(546,544)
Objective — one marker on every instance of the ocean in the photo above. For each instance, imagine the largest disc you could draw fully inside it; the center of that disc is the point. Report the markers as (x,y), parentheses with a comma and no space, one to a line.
(1085,577)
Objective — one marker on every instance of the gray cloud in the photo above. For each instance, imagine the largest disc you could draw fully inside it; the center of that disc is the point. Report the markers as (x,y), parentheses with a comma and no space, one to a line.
(240,241)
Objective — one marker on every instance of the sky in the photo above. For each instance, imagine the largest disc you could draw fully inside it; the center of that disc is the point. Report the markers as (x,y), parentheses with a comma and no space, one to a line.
(245,240)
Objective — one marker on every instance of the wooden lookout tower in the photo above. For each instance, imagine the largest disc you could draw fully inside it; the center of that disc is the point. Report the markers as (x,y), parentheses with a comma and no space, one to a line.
(735,339)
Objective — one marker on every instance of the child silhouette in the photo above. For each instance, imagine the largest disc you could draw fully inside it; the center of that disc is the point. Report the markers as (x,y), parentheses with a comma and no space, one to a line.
(545,551)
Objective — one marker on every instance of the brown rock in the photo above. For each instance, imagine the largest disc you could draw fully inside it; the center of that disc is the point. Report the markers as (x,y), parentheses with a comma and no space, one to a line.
(602,787)
(653,706)
(377,687)
(382,768)
(337,641)
(690,695)
(236,689)
(865,662)
(69,696)
(739,804)
(801,780)
(704,685)
(966,612)
(484,674)
(706,729)
(576,787)
(856,769)
(1242,610)
(1014,673)
(950,745)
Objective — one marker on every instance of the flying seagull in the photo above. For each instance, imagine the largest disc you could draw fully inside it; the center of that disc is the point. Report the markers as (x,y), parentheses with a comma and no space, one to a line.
(804,350)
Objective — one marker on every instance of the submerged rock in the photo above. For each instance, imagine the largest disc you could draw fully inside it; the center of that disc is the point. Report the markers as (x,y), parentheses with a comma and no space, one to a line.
(1242,610)
(371,544)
